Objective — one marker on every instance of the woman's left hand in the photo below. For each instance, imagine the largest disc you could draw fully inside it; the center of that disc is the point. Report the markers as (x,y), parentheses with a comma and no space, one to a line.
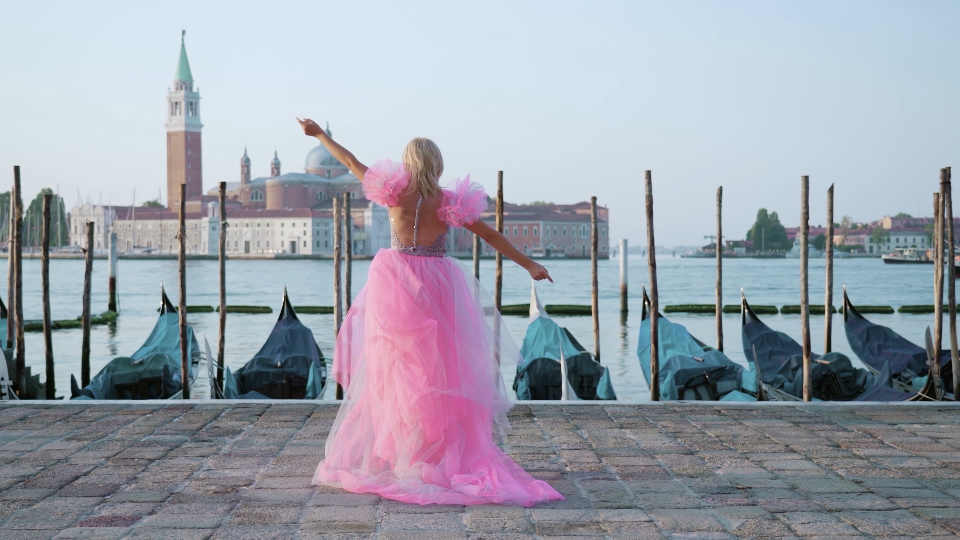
(310,128)
(539,272)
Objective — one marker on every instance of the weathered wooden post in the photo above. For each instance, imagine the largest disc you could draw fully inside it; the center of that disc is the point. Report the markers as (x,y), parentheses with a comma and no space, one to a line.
(11,271)
(476,256)
(624,305)
(337,298)
(594,286)
(938,290)
(498,256)
(18,268)
(222,259)
(654,303)
(85,314)
(719,249)
(348,252)
(804,296)
(112,280)
(951,282)
(828,294)
(45,293)
(182,308)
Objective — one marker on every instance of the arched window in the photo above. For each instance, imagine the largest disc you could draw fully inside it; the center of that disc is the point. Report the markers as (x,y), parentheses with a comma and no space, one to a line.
(256,195)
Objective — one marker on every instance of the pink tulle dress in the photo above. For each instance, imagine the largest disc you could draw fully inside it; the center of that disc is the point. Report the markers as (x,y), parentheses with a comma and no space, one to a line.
(418,357)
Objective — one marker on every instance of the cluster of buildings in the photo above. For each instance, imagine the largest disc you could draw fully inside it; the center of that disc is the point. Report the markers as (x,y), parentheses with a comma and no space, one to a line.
(292,213)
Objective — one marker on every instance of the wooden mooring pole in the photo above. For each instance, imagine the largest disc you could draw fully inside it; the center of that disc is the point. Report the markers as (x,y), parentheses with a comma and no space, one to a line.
(951,282)
(828,293)
(348,252)
(476,256)
(594,285)
(45,296)
(85,314)
(337,305)
(938,289)
(499,257)
(21,365)
(112,280)
(804,293)
(182,308)
(719,249)
(222,260)
(624,269)
(11,271)
(654,302)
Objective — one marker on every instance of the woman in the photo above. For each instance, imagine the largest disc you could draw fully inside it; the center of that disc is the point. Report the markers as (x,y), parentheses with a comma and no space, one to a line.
(419,351)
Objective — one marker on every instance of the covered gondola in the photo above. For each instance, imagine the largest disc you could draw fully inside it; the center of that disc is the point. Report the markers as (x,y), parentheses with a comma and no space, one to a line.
(290,364)
(153,371)
(833,377)
(35,389)
(878,346)
(544,345)
(689,369)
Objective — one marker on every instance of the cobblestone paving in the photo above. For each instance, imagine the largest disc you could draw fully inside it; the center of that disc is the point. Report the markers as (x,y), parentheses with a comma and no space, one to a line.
(680,471)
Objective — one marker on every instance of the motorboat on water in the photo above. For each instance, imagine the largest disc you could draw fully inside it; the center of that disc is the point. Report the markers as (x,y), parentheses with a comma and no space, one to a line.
(908,256)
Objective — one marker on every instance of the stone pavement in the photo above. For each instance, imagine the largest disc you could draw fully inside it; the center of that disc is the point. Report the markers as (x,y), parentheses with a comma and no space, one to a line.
(683,471)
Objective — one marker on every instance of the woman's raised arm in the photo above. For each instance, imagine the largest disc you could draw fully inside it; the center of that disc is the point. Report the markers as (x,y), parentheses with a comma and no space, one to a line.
(500,243)
(342,154)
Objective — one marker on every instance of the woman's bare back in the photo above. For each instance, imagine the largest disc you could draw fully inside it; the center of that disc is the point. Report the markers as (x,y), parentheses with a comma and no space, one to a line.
(403,216)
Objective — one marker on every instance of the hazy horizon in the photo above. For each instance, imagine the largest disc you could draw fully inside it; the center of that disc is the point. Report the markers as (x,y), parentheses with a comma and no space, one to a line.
(569,100)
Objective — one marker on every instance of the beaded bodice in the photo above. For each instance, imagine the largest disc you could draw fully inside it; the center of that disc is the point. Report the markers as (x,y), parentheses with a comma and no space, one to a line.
(436,249)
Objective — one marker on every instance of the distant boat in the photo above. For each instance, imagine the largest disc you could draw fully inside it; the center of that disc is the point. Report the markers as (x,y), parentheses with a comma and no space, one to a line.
(907,256)
(153,371)
(290,364)
(542,376)
(794,252)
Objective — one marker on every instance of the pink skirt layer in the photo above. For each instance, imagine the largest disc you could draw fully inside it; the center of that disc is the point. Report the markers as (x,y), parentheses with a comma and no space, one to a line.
(418,356)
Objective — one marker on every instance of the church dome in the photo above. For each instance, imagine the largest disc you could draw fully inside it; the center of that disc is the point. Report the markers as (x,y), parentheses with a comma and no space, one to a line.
(320,158)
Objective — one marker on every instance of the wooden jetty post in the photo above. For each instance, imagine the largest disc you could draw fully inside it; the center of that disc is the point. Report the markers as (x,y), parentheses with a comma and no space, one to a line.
(182,308)
(45,294)
(85,314)
(476,256)
(17,254)
(654,302)
(828,294)
(348,252)
(112,281)
(804,293)
(499,257)
(938,289)
(222,260)
(624,304)
(11,272)
(337,299)
(594,286)
(951,283)
(719,250)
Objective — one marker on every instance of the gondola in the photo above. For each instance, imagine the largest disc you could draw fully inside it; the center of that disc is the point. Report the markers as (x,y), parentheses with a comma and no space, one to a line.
(779,359)
(290,364)
(689,369)
(8,369)
(153,372)
(878,346)
(540,377)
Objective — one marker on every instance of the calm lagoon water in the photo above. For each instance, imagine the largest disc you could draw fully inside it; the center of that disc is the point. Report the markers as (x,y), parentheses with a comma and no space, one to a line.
(261,282)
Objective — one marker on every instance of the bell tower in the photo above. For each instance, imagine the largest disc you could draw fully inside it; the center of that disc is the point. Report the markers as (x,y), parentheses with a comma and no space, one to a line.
(184,163)
(245,179)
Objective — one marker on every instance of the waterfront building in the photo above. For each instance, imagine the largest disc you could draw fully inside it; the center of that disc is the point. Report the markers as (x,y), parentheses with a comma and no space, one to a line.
(102,216)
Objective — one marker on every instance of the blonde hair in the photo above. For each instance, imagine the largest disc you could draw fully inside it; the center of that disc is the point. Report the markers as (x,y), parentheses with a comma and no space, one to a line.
(423,160)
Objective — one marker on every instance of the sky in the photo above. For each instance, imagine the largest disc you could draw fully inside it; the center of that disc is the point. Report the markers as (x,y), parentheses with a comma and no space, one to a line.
(569,99)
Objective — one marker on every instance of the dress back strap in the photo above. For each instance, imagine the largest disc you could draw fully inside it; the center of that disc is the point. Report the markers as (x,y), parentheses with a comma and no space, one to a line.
(416,221)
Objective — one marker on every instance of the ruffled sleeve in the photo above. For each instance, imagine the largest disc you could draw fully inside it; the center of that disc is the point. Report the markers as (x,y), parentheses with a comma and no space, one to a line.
(463,202)
(384,181)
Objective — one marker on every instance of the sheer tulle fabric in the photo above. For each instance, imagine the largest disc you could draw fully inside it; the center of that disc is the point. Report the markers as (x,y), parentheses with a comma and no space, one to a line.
(417,355)
(463,202)
(383,182)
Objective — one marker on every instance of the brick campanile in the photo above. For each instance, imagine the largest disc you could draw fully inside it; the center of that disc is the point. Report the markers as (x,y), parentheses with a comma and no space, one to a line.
(184,163)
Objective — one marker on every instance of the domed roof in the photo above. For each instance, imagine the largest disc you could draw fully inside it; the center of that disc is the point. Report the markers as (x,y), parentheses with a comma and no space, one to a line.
(321,158)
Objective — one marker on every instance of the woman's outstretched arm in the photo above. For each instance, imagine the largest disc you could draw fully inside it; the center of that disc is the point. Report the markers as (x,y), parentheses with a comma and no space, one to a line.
(342,154)
(501,244)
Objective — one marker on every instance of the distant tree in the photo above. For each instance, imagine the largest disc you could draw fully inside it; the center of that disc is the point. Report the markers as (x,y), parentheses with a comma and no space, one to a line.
(903,214)
(820,242)
(879,235)
(153,203)
(928,230)
(540,203)
(767,232)
(33,220)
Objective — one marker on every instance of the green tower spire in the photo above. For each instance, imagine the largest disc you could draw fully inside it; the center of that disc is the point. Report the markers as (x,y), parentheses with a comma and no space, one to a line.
(183,65)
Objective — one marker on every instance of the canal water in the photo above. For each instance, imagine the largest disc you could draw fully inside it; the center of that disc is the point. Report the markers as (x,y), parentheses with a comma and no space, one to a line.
(309,282)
